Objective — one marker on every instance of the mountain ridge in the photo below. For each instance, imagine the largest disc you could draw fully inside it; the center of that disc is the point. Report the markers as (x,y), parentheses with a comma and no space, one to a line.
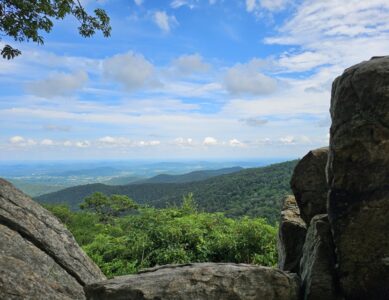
(253,192)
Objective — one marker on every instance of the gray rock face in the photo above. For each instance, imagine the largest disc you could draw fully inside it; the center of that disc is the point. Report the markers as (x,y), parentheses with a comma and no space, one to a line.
(39,257)
(318,262)
(309,184)
(358,175)
(291,236)
(202,281)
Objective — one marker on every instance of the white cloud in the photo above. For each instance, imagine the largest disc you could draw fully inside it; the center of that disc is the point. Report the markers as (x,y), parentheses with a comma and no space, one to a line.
(178,3)
(16,139)
(116,141)
(184,142)
(47,142)
(250,5)
(138,2)
(82,144)
(125,142)
(246,79)
(130,69)
(288,140)
(333,32)
(274,5)
(188,64)
(58,84)
(270,5)
(304,61)
(235,143)
(21,141)
(147,143)
(210,141)
(164,21)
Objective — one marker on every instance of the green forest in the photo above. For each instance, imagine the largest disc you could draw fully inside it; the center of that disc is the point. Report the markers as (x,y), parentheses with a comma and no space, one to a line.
(255,192)
(123,237)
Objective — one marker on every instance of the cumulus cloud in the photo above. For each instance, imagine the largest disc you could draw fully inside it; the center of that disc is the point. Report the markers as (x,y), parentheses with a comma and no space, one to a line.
(147,143)
(16,139)
(246,79)
(130,69)
(58,84)
(164,21)
(115,141)
(254,122)
(184,142)
(125,142)
(209,141)
(47,142)
(287,140)
(21,141)
(189,64)
(82,144)
(235,143)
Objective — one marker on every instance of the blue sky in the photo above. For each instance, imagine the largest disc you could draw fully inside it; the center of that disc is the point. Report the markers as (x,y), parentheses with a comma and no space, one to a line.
(186,79)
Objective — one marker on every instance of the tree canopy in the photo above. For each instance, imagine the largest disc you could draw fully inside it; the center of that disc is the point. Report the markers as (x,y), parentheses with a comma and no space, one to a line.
(173,235)
(108,207)
(24,20)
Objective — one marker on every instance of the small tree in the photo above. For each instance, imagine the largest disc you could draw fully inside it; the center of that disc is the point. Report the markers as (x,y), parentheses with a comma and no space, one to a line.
(23,20)
(189,205)
(108,207)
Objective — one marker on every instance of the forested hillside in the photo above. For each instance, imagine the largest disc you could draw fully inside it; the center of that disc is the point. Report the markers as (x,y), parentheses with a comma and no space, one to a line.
(253,192)
(189,177)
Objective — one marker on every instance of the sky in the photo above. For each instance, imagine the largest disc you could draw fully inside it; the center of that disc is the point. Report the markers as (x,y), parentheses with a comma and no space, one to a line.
(186,79)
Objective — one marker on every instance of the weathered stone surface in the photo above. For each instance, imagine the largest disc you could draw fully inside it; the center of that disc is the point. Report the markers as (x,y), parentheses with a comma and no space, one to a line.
(318,262)
(309,184)
(208,281)
(291,236)
(30,262)
(46,260)
(358,175)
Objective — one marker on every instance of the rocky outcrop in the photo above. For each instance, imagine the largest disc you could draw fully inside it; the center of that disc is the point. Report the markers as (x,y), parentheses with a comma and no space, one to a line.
(39,258)
(318,262)
(291,236)
(358,176)
(309,184)
(202,281)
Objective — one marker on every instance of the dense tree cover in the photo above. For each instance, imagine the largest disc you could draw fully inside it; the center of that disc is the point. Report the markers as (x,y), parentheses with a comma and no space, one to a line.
(255,192)
(178,234)
(23,20)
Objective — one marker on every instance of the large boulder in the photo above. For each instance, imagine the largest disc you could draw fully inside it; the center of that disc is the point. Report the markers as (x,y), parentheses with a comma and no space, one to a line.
(291,236)
(318,262)
(358,176)
(201,281)
(309,184)
(39,258)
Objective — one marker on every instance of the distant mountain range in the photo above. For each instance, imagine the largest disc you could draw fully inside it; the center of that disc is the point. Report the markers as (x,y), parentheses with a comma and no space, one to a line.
(253,192)
(51,182)
(189,177)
